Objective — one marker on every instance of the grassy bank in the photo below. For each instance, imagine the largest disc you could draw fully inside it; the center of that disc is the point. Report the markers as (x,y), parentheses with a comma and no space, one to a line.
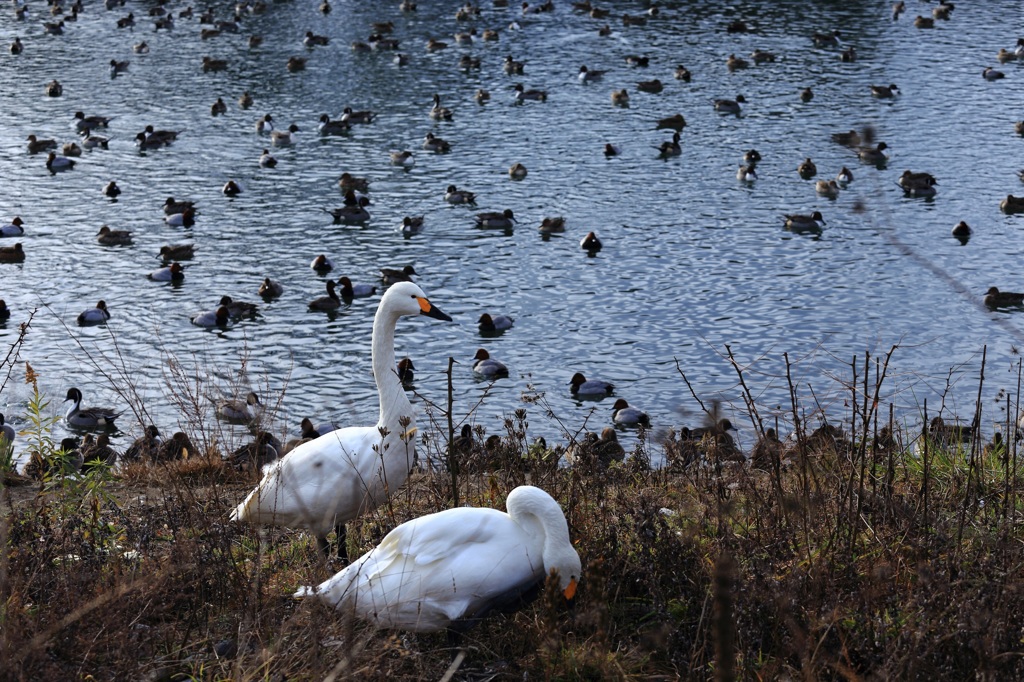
(854,550)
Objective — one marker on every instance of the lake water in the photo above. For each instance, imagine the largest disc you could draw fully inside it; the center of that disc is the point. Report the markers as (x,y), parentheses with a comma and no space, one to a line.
(692,260)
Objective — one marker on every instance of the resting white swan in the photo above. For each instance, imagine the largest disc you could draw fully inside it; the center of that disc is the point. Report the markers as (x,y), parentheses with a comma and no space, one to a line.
(449,569)
(322,484)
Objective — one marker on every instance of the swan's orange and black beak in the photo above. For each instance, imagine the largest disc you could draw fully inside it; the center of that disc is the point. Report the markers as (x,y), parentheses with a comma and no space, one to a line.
(426,308)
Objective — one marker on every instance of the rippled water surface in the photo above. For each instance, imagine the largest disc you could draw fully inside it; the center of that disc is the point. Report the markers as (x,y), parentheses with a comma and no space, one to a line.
(693,260)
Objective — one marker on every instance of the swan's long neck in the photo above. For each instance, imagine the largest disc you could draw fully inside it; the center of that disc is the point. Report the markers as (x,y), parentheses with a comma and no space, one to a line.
(541,516)
(393,401)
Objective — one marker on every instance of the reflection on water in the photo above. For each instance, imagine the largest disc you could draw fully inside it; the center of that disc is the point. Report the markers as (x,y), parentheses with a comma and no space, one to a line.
(693,259)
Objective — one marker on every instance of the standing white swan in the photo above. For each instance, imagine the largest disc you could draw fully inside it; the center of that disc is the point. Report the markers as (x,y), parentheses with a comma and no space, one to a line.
(322,484)
(450,569)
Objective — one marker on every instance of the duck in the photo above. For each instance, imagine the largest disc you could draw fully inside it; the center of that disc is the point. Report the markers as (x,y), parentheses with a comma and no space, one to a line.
(53,28)
(170,206)
(762,56)
(670,147)
(448,570)
(328,302)
(652,87)
(321,264)
(218,108)
(675,122)
(404,158)
(611,150)
(36,145)
(848,55)
(438,112)
(517,171)
(682,73)
(84,124)
(806,95)
(88,418)
(56,164)
(17,46)
(231,189)
(876,155)
(357,117)
(827,39)
(995,298)
(98,455)
(145,447)
(1005,55)
(730,106)
(620,98)
(605,448)
(827,188)
(214,65)
(467,63)
(752,156)
(487,367)
(348,182)
(552,225)
(637,61)
(917,184)
(394,276)
(350,290)
(12,254)
(245,101)
(330,480)
(1012,204)
(457,196)
(747,173)
(523,94)
(513,67)
(923,22)
(54,88)
(186,218)
(71,149)
(5,312)
(434,45)
(800,223)
(590,75)
(482,96)
(117,67)
(494,324)
(503,220)
(238,411)
(220,317)
(885,91)
(581,387)
(411,225)
(141,47)
(295,64)
(807,169)
(847,139)
(267,160)
(109,237)
(734,63)
(15,229)
(328,127)
(238,309)
(172,273)
(93,316)
(624,415)
(350,214)
(590,243)
(991,74)
(253,456)
(283,138)
(844,177)
(431,143)
(270,288)
(145,142)
(313,40)
(406,371)
(91,141)
(265,124)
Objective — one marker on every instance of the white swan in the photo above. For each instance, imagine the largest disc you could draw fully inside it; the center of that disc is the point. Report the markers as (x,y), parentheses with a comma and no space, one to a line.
(332,479)
(449,569)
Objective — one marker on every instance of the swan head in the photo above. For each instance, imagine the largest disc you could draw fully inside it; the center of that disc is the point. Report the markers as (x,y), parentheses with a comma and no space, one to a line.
(406,298)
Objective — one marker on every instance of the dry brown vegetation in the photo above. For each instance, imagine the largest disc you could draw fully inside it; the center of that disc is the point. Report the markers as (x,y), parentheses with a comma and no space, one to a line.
(850,554)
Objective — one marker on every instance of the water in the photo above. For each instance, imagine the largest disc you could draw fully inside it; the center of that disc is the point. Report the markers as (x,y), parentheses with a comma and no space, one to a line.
(693,260)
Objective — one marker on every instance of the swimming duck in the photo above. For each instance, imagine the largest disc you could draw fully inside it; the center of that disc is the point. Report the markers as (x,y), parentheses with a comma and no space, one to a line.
(459,196)
(494,324)
(962,231)
(411,225)
(466,62)
(166,136)
(438,112)
(611,150)
(109,237)
(267,160)
(885,91)
(806,95)
(54,88)
(991,74)
(177,252)
(92,316)
(353,214)
(393,276)
(238,309)
(218,107)
(482,96)
(322,264)
(552,225)
(670,148)
(295,64)
(240,411)
(495,220)
(923,22)
(186,218)
(212,318)
(734,63)
(322,484)
(917,184)
(876,155)
(55,163)
(71,149)
(747,173)
(590,243)
(730,106)
(172,273)
(5,314)
(214,65)
(436,144)
(84,124)
(17,46)
(141,48)
(117,67)
(347,182)
(675,122)
(245,101)
(807,169)
(523,94)
(270,288)
(329,127)
(328,302)
(53,28)
(144,142)
(624,415)
(826,39)
(845,176)
(12,254)
(265,124)
(145,448)
(357,117)
(231,189)
(799,223)
(637,60)
(403,158)
(581,387)
(1012,204)
(89,418)
(513,67)
(15,229)
(313,40)
(517,171)
(848,55)
(452,568)
(762,56)
(628,20)
(91,141)
(827,188)
(620,98)
(653,86)
(995,298)
(350,290)
(590,75)
(434,45)
(171,206)
(1005,55)
(752,156)
(406,371)
(898,9)
(284,138)
(36,145)
(487,367)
